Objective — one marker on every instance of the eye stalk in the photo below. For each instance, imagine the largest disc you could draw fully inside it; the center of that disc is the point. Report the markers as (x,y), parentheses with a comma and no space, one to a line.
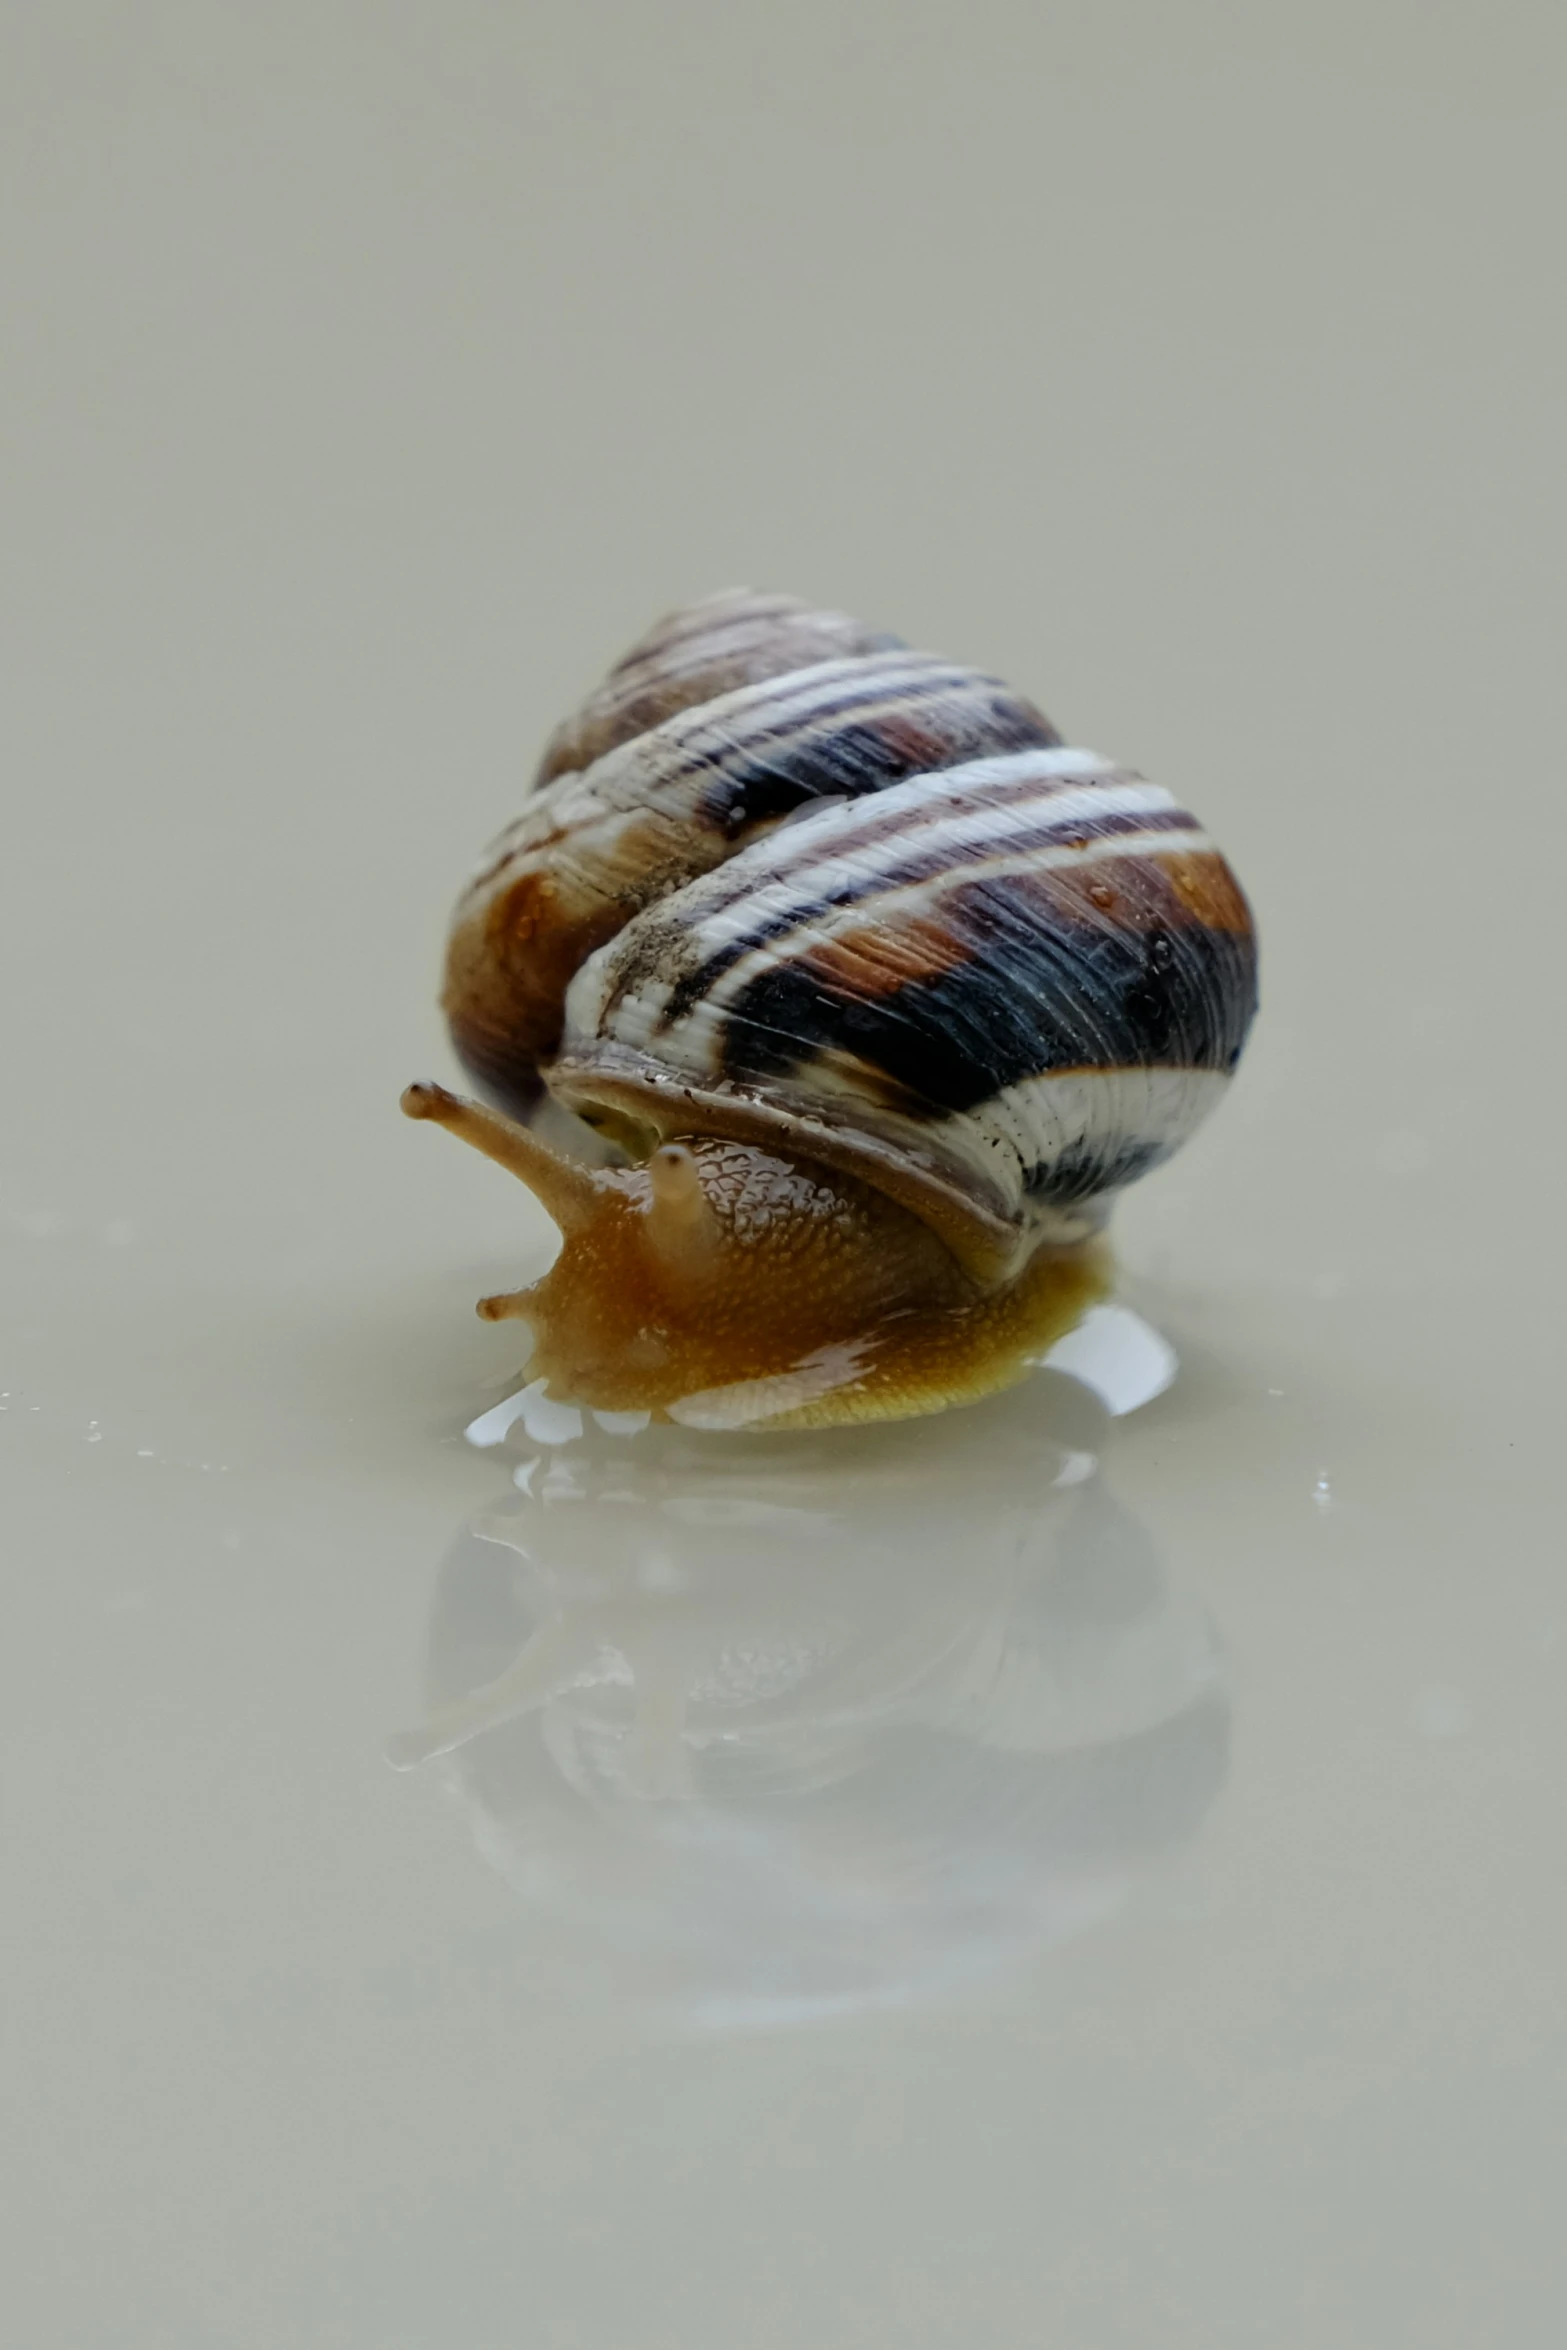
(683,1230)
(569,1193)
(676,1183)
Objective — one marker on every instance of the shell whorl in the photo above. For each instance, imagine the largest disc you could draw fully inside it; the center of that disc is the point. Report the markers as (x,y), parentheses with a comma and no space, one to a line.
(696,654)
(655,809)
(806,886)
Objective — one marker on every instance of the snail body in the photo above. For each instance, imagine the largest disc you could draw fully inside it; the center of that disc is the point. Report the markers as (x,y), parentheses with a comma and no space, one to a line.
(880,990)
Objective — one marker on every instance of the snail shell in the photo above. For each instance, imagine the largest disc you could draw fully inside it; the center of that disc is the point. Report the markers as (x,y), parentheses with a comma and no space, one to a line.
(785,881)
(658,808)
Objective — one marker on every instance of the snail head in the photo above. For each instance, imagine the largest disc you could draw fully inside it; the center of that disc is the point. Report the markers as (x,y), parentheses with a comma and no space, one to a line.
(710,1266)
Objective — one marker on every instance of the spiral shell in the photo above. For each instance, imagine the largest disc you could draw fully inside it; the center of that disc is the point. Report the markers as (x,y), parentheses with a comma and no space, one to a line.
(783,878)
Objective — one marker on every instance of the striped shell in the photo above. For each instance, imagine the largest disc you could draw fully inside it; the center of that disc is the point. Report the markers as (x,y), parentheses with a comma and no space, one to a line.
(784,879)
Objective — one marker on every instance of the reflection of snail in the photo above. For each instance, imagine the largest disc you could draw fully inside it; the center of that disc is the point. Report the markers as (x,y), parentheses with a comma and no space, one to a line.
(882,992)
(784,1730)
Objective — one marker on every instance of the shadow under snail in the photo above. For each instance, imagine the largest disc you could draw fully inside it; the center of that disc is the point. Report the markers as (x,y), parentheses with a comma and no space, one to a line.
(874,991)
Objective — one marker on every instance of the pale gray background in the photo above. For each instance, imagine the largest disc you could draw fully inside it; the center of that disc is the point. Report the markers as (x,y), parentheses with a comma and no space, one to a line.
(371,375)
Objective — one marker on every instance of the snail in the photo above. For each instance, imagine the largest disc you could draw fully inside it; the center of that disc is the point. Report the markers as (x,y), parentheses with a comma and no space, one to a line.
(875,994)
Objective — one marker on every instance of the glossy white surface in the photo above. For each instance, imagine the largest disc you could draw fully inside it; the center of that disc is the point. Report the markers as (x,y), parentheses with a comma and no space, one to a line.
(924,1890)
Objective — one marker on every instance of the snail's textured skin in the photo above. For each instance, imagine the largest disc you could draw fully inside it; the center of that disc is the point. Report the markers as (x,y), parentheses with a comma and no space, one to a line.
(784,883)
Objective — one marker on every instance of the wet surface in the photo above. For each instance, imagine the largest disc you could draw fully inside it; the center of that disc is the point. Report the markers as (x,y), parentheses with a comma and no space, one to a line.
(1085,1870)
(782,1729)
